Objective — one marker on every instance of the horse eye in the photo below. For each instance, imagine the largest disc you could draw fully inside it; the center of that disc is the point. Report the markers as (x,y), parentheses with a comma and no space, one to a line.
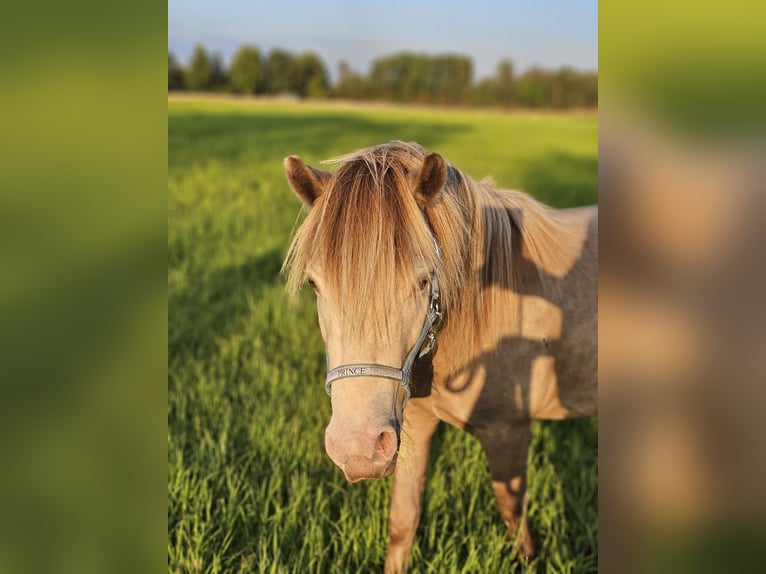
(313,285)
(423,283)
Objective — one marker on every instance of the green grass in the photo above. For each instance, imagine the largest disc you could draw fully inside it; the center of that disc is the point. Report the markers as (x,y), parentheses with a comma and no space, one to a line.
(250,488)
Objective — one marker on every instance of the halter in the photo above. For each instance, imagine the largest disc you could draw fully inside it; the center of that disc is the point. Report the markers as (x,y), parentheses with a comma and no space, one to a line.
(403,376)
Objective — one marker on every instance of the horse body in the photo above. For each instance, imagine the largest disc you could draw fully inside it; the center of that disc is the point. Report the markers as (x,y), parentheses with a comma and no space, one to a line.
(540,359)
(519,339)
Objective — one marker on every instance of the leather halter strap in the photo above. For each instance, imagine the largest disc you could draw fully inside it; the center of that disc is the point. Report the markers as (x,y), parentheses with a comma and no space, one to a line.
(403,375)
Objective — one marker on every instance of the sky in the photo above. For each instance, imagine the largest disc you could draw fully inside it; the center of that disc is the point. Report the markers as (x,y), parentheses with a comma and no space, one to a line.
(550,33)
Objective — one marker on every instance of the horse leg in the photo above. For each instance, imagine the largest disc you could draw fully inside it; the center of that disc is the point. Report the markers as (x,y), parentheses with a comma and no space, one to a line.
(506,450)
(409,480)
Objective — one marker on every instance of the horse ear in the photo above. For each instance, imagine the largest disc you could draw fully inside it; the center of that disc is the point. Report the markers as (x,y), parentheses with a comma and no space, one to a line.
(307,182)
(427,182)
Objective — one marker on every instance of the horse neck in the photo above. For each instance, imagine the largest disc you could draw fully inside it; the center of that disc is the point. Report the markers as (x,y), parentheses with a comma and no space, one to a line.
(524,249)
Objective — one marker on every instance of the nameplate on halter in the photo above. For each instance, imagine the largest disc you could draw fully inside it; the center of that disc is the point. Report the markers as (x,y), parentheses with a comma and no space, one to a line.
(365,370)
(352,372)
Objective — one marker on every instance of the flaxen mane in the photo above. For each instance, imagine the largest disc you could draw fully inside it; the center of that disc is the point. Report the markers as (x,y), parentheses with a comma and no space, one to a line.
(369,236)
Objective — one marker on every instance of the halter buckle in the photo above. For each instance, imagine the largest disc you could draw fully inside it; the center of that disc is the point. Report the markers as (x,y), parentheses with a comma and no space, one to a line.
(429,344)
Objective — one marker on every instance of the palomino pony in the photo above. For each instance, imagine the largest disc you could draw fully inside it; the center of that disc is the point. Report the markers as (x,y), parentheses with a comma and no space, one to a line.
(399,244)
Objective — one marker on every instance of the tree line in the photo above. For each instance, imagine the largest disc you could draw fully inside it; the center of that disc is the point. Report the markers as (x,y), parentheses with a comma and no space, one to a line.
(403,77)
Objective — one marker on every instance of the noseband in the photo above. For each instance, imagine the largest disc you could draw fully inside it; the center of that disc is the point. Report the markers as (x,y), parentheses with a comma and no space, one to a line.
(422,347)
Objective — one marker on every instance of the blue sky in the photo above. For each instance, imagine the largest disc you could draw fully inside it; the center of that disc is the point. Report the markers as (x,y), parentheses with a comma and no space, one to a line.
(546,32)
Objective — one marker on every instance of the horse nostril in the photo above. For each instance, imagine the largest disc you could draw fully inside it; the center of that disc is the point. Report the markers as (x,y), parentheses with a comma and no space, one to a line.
(387,444)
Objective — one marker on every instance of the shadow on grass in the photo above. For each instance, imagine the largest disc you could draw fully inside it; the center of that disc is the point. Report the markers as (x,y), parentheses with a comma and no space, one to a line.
(208,310)
(198,138)
(562,179)
(575,451)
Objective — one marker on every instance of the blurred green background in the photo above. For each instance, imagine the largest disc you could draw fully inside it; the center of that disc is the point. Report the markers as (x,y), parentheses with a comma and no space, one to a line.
(83,287)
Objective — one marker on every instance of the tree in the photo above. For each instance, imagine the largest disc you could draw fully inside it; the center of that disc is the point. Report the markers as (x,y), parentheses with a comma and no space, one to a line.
(245,70)
(280,72)
(450,77)
(176,80)
(485,93)
(535,88)
(219,80)
(200,74)
(505,86)
(310,76)
(350,84)
(408,77)
(400,77)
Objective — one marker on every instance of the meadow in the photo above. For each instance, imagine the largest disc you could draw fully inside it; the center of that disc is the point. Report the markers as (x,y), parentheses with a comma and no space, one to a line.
(250,487)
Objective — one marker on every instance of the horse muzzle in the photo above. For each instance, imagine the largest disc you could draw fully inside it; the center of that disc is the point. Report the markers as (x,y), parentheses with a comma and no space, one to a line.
(365,455)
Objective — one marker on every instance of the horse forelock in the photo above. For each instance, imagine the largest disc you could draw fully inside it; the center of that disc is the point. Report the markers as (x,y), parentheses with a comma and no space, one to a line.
(367,234)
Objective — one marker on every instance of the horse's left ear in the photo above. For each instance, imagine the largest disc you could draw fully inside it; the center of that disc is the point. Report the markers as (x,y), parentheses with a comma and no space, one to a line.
(427,182)
(307,182)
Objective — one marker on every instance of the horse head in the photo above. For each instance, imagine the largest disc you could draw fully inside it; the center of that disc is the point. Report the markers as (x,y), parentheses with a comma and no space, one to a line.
(367,250)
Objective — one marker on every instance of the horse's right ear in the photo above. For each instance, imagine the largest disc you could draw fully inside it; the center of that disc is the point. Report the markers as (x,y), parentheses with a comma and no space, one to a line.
(307,182)
(427,182)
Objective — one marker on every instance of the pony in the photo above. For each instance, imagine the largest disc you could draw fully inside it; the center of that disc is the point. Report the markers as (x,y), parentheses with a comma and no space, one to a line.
(441,298)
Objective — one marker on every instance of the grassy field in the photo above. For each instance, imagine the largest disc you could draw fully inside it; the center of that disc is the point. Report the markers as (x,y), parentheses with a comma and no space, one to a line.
(250,488)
